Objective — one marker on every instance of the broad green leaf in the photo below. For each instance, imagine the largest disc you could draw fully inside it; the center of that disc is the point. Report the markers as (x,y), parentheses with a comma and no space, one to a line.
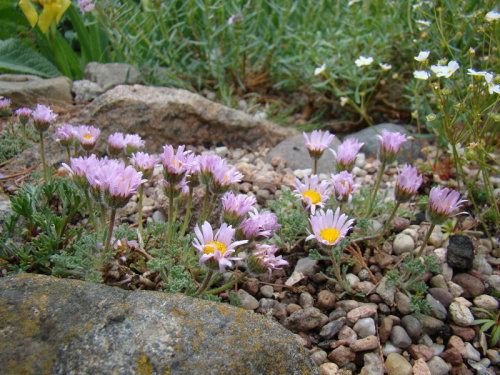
(19,58)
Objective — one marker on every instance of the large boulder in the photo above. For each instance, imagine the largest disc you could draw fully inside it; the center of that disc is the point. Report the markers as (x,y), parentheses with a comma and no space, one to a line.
(163,115)
(54,326)
(27,90)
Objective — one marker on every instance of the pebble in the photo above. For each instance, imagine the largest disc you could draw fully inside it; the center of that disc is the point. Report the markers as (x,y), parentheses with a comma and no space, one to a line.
(403,303)
(319,356)
(438,366)
(367,343)
(431,325)
(365,327)
(159,217)
(403,243)
(386,291)
(460,253)
(366,287)
(412,326)
(460,314)
(471,352)
(329,330)
(342,355)
(347,334)
(493,356)
(383,260)
(396,364)
(400,337)
(347,305)
(421,352)
(442,295)
(373,365)
(328,368)
(304,319)
(337,313)
(482,266)
(465,333)
(455,289)
(437,309)
(457,343)
(291,308)
(364,311)
(353,280)
(306,300)
(494,282)
(384,331)
(306,266)
(326,300)
(389,348)
(452,356)
(438,281)
(421,368)
(295,278)
(485,301)
(471,285)
(267,291)
(248,302)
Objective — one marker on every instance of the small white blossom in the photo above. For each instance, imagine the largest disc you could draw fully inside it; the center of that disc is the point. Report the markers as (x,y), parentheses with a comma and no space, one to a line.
(319,70)
(343,101)
(423,56)
(492,88)
(472,72)
(421,74)
(422,24)
(445,70)
(492,16)
(351,2)
(385,66)
(363,61)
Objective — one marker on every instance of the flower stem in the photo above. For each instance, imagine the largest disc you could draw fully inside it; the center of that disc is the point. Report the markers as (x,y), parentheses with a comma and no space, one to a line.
(112,216)
(69,154)
(375,188)
(387,223)
(205,205)
(428,235)
(205,283)
(170,213)
(139,208)
(229,284)
(336,270)
(315,166)
(103,216)
(42,156)
(91,211)
(188,212)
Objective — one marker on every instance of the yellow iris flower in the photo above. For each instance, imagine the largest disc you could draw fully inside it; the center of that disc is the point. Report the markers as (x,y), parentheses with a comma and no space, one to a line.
(52,10)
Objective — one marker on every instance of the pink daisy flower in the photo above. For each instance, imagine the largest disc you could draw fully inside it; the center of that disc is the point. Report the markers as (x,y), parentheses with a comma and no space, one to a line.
(318,142)
(236,207)
(207,165)
(390,145)
(116,143)
(87,136)
(343,186)
(346,153)
(329,228)
(119,184)
(175,164)
(144,163)
(407,183)
(133,142)
(264,259)
(263,224)
(78,169)
(443,204)
(223,177)
(216,249)
(24,114)
(43,117)
(4,106)
(312,192)
(66,135)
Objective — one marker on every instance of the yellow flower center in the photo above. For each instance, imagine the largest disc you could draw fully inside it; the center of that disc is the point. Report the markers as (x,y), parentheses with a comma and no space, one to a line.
(330,234)
(314,195)
(87,136)
(210,249)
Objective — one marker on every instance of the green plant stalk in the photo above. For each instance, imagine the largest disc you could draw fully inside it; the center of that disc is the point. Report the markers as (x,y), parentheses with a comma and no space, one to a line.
(205,283)
(188,212)
(170,213)
(205,205)
(103,216)
(91,211)
(376,187)
(112,216)
(315,165)
(387,223)
(427,236)
(68,152)
(336,270)
(228,285)
(42,156)
(211,205)
(139,209)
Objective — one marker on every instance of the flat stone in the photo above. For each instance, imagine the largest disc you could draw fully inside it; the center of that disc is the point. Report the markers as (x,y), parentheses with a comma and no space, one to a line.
(27,90)
(162,115)
(303,320)
(73,327)
(471,285)
(487,302)
(460,314)
(452,356)
(442,295)
(437,309)
(85,90)
(421,368)
(248,302)
(329,330)
(306,266)
(110,75)
(385,329)
(342,355)
(438,366)
(403,303)
(421,351)
(328,368)
(373,365)
(386,291)
(368,343)
(400,337)
(326,300)
(396,364)
(364,311)
(412,326)
(365,327)
(465,333)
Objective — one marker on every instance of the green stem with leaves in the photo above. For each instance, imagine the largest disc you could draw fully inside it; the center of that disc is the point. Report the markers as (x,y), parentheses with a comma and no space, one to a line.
(389,221)
(188,212)
(170,213)
(205,283)
(229,284)
(427,236)
(42,156)
(139,209)
(112,217)
(375,189)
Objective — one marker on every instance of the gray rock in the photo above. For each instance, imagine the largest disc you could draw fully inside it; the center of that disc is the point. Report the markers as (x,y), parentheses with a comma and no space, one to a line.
(319,357)
(86,91)
(437,309)
(306,300)
(365,327)
(373,365)
(306,266)
(28,90)
(442,295)
(72,327)
(386,291)
(329,330)
(163,115)
(438,366)
(412,326)
(371,142)
(460,254)
(304,320)
(110,75)
(293,150)
(438,281)
(389,348)
(460,314)
(403,243)
(248,302)
(487,302)
(471,285)
(431,325)
(494,282)
(267,291)
(400,337)
(471,352)
(396,364)
(403,303)
(159,217)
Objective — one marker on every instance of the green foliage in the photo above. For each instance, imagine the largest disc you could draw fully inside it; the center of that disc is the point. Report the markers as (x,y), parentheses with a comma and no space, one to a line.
(234,299)
(16,57)
(419,306)
(12,145)
(491,324)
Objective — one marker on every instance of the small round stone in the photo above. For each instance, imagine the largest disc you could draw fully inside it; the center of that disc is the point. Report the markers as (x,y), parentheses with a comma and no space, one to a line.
(396,364)
(403,243)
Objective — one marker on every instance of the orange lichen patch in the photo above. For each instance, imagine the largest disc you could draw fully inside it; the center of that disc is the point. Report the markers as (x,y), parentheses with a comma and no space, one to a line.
(144,365)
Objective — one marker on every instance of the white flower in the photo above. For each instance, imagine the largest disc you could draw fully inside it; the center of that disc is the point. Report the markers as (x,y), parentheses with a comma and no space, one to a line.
(343,101)
(472,72)
(492,16)
(492,88)
(422,24)
(385,66)
(445,70)
(351,2)
(319,70)
(421,74)
(362,61)
(422,56)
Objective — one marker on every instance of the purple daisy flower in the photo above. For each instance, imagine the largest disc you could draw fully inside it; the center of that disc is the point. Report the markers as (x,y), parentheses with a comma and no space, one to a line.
(133,142)
(116,143)
(443,204)
(223,177)
(318,142)
(263,224)
(236,207)
(390,145)
(66,135)
(87,136)
(407,183)
(329,228)
(175,164)
(346,153)
(207,164)
(119,184)
(4,106)
(343,186)
(43,117)
(23,114)
(144,163)
(313,193)
(79,167)
(216,249)
(264,259)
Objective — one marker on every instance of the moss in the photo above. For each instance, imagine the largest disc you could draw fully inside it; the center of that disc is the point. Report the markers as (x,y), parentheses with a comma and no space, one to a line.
(144,365)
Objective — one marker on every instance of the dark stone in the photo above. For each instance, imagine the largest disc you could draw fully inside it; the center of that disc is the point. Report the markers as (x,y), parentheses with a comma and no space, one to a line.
(54,326)
(442,296)
(460,253)
(471,285)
